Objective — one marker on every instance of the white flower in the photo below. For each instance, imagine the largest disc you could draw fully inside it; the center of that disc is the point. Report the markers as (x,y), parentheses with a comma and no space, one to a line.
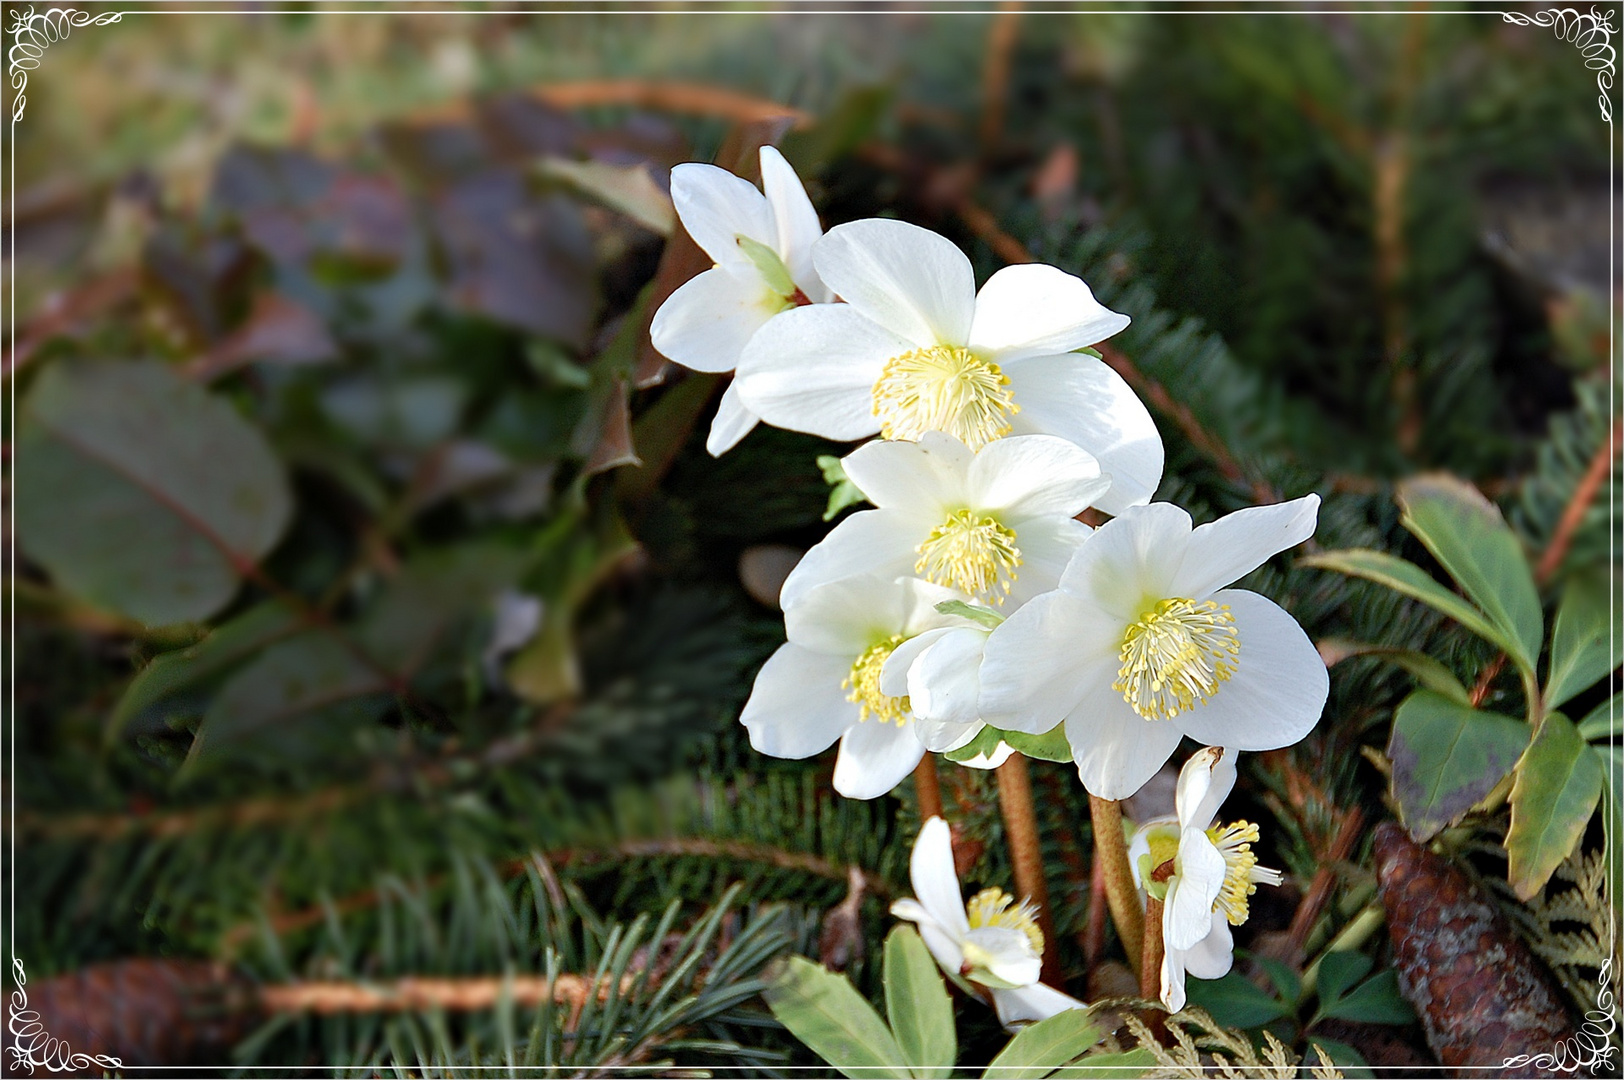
(972,520)
(830,680)
(994,943)
(915,348)
(1208,872)
(762,246)
(1141,645)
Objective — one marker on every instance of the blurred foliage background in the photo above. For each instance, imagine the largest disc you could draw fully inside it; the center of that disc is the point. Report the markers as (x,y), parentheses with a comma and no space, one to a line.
(380,615)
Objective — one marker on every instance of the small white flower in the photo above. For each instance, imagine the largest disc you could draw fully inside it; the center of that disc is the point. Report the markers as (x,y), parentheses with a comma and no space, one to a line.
(1141,645)
(915,348)
(1207,871)
(831,680)
(994,943)
(975,521)
(762,246)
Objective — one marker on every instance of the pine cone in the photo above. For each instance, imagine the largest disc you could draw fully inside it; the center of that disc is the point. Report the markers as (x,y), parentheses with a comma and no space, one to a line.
(1482,995)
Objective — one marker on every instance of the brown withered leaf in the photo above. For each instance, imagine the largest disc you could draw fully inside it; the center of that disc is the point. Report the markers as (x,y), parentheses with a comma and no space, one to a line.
(1481,993)
(840,944)
(278,330)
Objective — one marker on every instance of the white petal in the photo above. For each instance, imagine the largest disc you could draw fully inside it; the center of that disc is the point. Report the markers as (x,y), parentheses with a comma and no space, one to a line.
(940,943)
(894,675)
(845,617)
(924,478)
(1032,476)
(1041,661)
(716,208)
(940,737)
(944,683)
(1213,955)
(813,369)
(705,324)
(733,422)
(1047,545)
(1279,687)
(874,758)
(1081,399)
(1204,783)
(1005,954)
(795,222)
(914,282)
(1193,889)
(882,543)
(797,707)
(1000,754)
(935,880)
(1038,310)
(919,599)
(1228,549)
(1116,751)
(1172,979)
(1129,563)
(1031,1003)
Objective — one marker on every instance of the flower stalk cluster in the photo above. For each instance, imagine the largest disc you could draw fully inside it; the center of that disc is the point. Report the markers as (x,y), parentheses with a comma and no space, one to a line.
(970,607)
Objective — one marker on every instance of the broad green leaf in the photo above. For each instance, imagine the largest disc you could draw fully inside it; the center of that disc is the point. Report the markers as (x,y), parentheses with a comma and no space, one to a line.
(1233,1001)
(1050,746)
(1559,781)
(1447,757)
(827,1013)
(1375,1001)
(1348,1061)
(1338,972)
(1604,721)
(1127,1065)
(143,493)
(627,188)
(1287,983)
(917,1004)
(1404,576)
(1582,641)
(227,645)
(985,616)
(842,492)
(430,594)
(1038,1050)
(1466,534)
(1429,672)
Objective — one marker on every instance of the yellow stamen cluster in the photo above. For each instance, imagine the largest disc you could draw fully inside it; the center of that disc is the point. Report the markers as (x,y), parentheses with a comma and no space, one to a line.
(863,685)
(1175,655)
(1242,873)
(972,553)
(995,907)
(944,388)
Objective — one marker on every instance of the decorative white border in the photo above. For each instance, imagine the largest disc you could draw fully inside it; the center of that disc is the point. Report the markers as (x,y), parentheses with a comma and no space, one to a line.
(32,1046)
(1591,34)
(1589,1051)
(33,33)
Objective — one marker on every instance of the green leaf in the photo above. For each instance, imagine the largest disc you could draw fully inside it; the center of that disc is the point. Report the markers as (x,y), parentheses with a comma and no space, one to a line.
(1338,972)
(1604,721)
(1613,825)
(1582,641)
(920,1011)
(1375,1001)
(1404,576)
(1038,1050)
(1124,1066)
(1233,1001)
(985,743)
(1429,672)
(1559,782)
(985,616)
(143,493)
(1050,746)
(1467,535)
(842,492)
(826,1013)
(1348,1061)
(767,262)
(1287,983)
(1447,757)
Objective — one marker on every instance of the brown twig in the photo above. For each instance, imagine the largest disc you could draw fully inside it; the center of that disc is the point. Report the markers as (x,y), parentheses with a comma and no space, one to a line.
(658,95)
(1584,493)
(995,74)
(1026,854)
(1150,960)
(1319,890)
(928,788)
(417,994)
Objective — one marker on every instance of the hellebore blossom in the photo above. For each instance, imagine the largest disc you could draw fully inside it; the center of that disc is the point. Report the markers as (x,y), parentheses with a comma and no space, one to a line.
(993,941)
(971,520)
(915,348)
(1203,872)
(1141,645)
(830,680)
(762,247)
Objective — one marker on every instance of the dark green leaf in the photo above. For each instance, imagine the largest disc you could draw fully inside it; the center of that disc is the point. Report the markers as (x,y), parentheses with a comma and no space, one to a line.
(1429,672)
(1447,757)
(1338,971)
(826,1013)
(1582,641)
(1559,781)
(1287,983)
(1348,1061)
(1233,1001)
(917,1004)
(1375,1001)
(1603,722)
(842,492)
(1038,1050)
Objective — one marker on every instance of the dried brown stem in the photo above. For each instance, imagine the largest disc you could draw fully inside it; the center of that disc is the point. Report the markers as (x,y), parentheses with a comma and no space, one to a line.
(995,74)
(1026,854)
(1319,890)
(1601,463)
(1111,852)
(416,994)
(928,788)
(1150,959)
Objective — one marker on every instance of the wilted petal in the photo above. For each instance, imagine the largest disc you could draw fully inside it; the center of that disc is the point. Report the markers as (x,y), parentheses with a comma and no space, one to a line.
(1204,783)
(1197,880)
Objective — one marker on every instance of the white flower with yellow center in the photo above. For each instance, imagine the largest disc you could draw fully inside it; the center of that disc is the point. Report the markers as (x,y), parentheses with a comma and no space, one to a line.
(993,942)
(1141,645)
(915,348)
(829,681)
(1203,872)
(990,523)
(762,247)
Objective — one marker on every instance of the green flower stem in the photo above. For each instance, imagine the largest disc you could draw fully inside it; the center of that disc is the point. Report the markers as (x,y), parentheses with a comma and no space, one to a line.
(1122,897)
(1026,855)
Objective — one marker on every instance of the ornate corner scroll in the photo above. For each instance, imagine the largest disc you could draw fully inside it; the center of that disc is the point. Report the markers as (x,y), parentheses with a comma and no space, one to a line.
(1592,34)
(33,1047)
(1589,1052)
(32,33)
